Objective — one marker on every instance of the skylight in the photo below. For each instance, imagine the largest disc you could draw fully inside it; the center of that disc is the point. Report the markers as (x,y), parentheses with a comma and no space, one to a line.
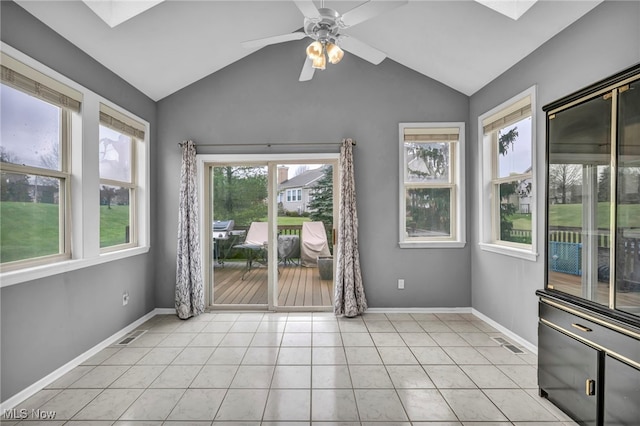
(514,9)
(115,12)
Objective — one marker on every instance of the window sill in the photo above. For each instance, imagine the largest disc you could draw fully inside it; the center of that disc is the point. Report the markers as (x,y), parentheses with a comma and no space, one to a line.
(431,244)
(509,251)
(10,278)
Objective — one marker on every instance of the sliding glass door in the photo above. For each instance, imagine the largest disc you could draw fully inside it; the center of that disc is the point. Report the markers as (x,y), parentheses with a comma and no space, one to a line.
(272,225)
(239,249)
(306,228)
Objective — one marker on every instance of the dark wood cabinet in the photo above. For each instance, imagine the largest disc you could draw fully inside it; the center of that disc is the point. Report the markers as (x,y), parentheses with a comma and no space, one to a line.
(567,369)
(621,393)
(588,362)
(589,327)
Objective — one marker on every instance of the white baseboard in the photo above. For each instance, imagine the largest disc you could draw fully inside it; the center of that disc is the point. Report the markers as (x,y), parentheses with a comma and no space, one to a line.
(513,336)
(55,375)
(419,310)
(164,311)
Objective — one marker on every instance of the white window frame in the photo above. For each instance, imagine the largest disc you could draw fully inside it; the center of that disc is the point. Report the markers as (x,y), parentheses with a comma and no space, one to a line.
(84,179)
(64,177)
(125,120)
(489,223)
(457,179)
(294,195)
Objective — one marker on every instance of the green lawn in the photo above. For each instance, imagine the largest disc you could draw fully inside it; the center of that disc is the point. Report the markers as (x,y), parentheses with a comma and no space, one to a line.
(521,221)
(571,215)
(27,230)
(31,229)
(287,220)
(113,225)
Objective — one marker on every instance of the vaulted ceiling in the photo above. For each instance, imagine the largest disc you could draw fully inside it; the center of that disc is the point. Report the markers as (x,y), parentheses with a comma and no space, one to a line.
(168,46)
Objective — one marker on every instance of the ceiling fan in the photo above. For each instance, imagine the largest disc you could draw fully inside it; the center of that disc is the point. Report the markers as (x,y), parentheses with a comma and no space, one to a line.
(324,26)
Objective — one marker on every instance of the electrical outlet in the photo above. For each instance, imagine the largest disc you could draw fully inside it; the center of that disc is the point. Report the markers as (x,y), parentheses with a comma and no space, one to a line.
(400,284)
(125,298)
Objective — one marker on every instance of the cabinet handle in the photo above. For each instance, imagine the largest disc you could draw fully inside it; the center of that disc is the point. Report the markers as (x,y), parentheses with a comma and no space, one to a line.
(581,327)
(590,387)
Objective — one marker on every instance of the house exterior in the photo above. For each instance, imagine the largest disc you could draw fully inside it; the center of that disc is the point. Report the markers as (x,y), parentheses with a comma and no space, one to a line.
(294,194)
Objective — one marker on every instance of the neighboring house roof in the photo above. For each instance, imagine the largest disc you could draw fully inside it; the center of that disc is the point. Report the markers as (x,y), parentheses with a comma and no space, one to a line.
(303,180)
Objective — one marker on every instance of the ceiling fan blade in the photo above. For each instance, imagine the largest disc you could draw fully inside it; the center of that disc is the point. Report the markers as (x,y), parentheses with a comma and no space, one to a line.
(369,10)
(261,42)
(308,9)
(307,70)
(362,50)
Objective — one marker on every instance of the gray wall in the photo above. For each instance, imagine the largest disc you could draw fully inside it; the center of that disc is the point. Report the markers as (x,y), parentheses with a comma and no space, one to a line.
(259,100)
(603,42)
(46,323)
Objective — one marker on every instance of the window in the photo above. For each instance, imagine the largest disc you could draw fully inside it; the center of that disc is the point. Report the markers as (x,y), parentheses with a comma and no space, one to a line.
(51,178)
(294,194)
(35,176)
(508,203)
(431,194)
(117,142)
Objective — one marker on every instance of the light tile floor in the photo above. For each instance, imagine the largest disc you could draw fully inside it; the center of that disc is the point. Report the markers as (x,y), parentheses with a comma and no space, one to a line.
(295,369)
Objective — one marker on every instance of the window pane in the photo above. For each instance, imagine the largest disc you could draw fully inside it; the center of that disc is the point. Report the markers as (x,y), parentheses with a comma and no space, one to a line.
(427,162)
(428,212)
(29,130)
(30,225)
(114,215)
(515,211)
(115,155)
(514,148)
(628,224)
(580,202)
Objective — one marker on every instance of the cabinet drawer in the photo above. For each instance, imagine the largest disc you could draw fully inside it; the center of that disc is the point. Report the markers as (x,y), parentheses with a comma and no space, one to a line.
(605,338)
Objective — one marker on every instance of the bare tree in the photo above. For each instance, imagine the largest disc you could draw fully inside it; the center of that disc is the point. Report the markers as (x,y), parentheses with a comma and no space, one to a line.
(301,169)
(563,178)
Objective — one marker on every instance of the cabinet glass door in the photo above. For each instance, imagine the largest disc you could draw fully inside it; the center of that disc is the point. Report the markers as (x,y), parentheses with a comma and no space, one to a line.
(579,199)
(628,216)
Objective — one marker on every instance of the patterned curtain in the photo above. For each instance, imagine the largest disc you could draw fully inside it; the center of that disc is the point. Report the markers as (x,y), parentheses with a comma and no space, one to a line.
(349,292)
(189,286)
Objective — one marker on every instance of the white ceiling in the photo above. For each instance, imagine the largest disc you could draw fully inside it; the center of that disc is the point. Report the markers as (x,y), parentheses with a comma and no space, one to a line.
(462,44)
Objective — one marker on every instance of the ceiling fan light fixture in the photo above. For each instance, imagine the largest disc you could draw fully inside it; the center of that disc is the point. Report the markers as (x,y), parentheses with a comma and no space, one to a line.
(319,62)
(334,53)
(315,50)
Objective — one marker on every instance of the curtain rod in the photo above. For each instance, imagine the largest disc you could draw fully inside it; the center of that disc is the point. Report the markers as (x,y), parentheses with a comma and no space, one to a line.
(268,145)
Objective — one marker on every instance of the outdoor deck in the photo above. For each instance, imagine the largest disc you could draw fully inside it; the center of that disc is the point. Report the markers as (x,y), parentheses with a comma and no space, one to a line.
(572,284)
(298,286)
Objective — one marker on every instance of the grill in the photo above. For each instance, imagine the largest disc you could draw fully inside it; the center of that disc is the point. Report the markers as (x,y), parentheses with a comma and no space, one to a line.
(222,229)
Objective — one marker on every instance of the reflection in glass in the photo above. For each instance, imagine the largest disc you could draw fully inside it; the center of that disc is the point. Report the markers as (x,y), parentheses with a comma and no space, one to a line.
(628,219)
(114,155)
(115,215)
(427,162)
(579,200)
(30,211)
(29,130)
(515,213)
(514,154)
(428,212)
